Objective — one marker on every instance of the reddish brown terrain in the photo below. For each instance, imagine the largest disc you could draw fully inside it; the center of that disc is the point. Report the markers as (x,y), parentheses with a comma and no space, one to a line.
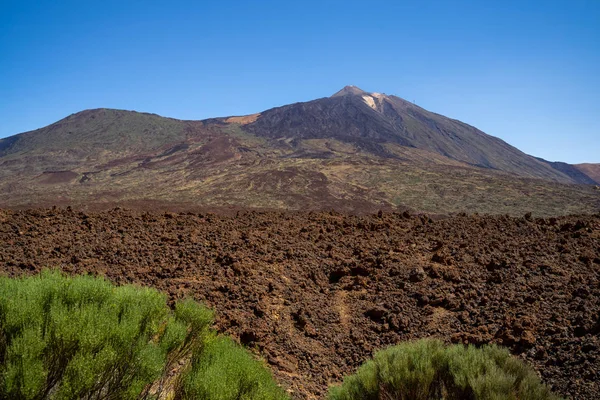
(314,294)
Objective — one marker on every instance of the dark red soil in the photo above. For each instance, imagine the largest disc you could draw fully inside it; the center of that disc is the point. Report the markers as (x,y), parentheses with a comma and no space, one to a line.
(315,294)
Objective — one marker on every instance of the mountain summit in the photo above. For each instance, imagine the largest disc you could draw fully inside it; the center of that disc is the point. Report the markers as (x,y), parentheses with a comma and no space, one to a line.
(354,151)
(350,90)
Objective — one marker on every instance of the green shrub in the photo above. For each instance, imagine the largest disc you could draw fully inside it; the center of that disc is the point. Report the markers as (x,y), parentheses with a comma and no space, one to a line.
(226,371)
(427,370)
(81,337)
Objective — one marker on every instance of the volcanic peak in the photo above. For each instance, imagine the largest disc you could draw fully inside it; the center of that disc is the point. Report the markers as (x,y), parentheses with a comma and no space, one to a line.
(350,90)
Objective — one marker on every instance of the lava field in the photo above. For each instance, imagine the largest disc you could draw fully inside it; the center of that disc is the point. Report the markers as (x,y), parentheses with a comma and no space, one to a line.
(315,294)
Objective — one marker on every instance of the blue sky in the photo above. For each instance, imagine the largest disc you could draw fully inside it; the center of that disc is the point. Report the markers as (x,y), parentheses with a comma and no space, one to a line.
(525,71)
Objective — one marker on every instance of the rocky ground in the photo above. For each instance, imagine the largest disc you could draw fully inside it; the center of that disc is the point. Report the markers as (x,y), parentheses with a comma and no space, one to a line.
(315,294)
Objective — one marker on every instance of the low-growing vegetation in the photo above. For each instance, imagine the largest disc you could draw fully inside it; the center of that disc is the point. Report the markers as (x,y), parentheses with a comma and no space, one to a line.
(224,370)
(428,370)
(83,338)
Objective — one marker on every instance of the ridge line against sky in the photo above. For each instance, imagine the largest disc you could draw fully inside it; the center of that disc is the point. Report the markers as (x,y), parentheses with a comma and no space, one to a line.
(526,73)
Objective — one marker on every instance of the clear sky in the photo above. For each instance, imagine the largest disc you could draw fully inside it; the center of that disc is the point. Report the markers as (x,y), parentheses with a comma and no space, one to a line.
(525,71)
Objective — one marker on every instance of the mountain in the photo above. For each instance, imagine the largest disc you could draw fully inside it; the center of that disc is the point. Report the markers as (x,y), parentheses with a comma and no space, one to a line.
(590,170)
(353,151)
(373,121)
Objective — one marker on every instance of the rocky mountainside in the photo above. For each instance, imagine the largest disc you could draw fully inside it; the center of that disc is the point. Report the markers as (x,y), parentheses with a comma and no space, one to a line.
(354,151)
(373,121)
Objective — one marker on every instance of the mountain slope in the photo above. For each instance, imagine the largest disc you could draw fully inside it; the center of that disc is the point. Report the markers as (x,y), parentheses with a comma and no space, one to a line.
(370,120)
(354,152)
(590,170)
(577,173)
(98,130)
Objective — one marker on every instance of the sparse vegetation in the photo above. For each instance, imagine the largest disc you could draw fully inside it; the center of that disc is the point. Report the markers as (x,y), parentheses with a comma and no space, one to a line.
(427,369)
(81,337)
(148,161)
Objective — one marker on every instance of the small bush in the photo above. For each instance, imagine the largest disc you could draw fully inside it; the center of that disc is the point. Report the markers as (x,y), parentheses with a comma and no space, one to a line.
(81,337)
(427,370)
(225,371)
